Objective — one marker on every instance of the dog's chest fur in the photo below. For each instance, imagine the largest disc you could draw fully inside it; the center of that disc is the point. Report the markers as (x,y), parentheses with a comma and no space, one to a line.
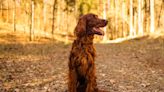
(82,56)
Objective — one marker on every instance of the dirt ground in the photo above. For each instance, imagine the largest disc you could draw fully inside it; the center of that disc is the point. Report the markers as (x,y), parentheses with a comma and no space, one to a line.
(131,66)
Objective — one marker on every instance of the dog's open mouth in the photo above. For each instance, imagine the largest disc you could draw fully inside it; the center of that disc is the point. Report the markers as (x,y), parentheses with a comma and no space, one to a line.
(98,31)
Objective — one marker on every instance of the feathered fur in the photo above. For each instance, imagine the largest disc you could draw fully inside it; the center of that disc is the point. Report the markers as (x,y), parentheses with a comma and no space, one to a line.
(82,56)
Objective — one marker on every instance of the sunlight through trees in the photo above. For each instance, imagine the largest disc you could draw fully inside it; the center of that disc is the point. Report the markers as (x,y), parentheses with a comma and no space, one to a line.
(57,18)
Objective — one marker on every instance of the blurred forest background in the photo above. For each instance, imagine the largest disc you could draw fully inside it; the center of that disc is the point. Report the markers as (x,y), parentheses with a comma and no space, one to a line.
(36,37)
(57,18)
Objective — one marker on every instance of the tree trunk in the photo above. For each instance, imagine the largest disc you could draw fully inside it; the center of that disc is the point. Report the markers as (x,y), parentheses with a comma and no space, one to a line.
(58,17)
(32,21)
(104,16)
(115,21)
(53,16)
(145,16)
(152,16)
(131,19)
(67,28)
(1,9)
(135,24)
(123,17)
(148,16)
(7,11)
(140,27)
(44,15)
(142,16)
(14,16)
(160,13)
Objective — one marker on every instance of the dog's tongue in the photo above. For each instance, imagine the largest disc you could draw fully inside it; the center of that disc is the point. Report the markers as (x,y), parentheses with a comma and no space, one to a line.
(98,31)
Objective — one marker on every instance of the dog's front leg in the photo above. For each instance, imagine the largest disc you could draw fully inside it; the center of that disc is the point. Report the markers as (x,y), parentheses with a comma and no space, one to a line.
(91,81)
(72,81)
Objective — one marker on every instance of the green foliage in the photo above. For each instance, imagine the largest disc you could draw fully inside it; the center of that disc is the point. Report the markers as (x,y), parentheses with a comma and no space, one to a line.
(84,8)
(70,5)
(88,6)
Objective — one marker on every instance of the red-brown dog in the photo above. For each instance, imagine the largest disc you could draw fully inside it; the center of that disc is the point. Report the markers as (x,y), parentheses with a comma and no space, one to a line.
(82,56)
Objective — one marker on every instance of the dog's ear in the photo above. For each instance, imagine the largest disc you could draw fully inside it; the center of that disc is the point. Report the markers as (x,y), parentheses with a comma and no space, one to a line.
(80,28)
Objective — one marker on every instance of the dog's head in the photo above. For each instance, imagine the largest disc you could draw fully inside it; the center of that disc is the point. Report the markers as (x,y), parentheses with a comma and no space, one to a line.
(90,24)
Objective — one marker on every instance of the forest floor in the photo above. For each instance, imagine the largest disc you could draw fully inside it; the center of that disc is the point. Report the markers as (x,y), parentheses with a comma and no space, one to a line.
(131,66)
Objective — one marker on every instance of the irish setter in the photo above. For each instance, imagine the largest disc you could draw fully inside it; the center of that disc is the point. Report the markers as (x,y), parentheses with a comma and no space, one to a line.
(82,56)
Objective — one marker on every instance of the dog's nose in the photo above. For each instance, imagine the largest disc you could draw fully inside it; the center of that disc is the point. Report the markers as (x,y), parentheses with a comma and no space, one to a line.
(106,22)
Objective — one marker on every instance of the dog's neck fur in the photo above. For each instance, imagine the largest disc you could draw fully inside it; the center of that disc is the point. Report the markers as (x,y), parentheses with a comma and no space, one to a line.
(85,43)
(85,40)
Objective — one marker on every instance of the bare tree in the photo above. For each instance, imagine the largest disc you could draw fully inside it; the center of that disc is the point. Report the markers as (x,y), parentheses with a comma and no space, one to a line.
(160,13)
(145,23)
(131,19)
(135,23)
(1,3)
(14,16)
(115,20)
(58,16)
(32,21)
(140,26)
(44,14)
(104,16)
(123,17)
(142,16)
(7,11)
(53,15)
(152,16)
